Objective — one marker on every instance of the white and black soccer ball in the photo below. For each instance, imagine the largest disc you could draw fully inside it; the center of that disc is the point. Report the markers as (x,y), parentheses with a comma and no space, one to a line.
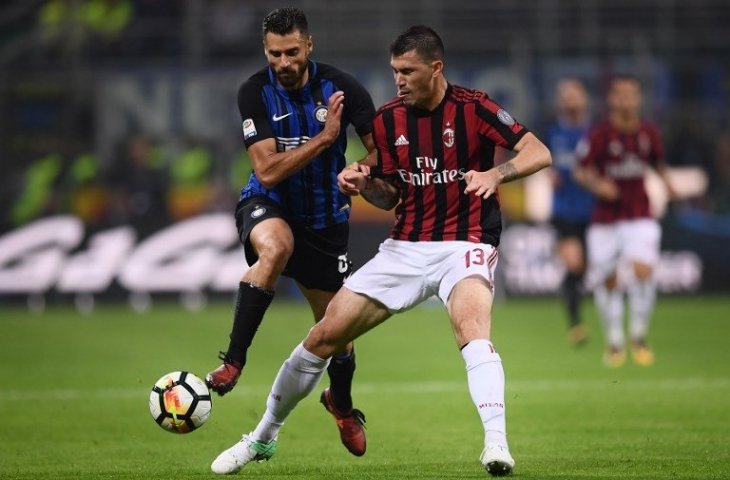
(180,402)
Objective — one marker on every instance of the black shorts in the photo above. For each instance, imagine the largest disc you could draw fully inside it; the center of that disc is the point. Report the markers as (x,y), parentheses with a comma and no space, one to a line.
(319,259)
(570,229)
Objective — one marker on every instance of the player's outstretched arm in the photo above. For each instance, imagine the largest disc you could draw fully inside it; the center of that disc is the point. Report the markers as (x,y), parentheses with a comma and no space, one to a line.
(532,155)
(272,167)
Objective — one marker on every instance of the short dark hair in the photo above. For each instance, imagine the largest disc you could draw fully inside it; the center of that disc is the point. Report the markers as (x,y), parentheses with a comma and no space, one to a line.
(424,40)
(285,20)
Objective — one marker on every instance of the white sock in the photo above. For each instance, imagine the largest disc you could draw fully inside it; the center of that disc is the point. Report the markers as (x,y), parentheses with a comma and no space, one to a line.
(642,296)
(296,379)
(485,377)
(610,305)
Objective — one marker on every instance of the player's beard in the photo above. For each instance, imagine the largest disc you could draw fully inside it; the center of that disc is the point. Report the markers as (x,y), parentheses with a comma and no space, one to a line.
(290,77)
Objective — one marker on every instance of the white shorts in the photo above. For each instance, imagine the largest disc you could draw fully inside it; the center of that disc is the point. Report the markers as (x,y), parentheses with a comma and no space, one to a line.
(611,244)
(403,274)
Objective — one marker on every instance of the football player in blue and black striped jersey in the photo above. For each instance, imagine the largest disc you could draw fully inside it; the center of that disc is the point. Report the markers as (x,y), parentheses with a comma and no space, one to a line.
(291,217)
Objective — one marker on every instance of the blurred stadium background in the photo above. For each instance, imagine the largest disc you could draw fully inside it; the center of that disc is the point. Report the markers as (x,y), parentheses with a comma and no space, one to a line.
(122,158)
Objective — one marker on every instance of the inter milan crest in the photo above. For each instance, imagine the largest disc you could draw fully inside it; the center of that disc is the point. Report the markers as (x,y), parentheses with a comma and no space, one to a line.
(320,114)
(448,137)
(258,212)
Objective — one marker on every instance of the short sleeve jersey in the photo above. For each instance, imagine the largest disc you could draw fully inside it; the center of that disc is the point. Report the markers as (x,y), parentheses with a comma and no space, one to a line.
(427,154)
(623,158)
(292,117)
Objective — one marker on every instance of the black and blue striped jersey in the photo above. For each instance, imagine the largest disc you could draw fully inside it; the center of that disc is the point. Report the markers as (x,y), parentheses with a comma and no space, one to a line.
(292,117)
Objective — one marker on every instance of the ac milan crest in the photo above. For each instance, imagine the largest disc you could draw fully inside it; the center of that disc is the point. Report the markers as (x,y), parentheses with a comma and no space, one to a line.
(448,137)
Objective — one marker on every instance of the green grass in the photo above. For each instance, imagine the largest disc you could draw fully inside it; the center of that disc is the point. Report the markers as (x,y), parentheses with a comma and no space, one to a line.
(73,397)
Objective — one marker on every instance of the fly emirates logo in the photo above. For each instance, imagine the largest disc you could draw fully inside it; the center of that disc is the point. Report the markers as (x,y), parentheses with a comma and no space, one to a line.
(426,174)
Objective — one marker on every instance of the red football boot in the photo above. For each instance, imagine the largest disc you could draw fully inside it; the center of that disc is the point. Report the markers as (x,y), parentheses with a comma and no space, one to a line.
(224,378)
(351,425)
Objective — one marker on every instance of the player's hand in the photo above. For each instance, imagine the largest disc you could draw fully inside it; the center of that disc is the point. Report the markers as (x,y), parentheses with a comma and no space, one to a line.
(607,189)
(359,167)
(481,184)
(335,105)
(353,179)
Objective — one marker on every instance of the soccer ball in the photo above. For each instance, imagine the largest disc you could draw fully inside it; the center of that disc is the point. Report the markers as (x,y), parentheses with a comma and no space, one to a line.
(180,402)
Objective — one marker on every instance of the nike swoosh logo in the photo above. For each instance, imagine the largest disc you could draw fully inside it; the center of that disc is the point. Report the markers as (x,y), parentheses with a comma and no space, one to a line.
(276,117)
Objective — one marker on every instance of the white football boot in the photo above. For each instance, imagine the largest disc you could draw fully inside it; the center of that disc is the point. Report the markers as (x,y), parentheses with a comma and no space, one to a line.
(496,460)
(245,451)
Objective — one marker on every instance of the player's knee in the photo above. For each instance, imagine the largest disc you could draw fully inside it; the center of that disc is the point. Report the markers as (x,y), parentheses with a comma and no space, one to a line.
(574,264)
(321,342)
(275,252)
(642,271)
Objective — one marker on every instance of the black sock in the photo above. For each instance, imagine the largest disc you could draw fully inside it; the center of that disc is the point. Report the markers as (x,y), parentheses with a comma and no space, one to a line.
(341,370)
(572,296)
(251,305)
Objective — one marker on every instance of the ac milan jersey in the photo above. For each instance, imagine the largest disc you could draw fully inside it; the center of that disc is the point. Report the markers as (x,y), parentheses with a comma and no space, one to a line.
(623,158)
(427,154)
(292,117)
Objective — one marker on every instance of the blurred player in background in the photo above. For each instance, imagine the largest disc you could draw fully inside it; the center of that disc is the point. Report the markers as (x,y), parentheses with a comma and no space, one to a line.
(572,204)
(291,217)
(613,164)
(435,160)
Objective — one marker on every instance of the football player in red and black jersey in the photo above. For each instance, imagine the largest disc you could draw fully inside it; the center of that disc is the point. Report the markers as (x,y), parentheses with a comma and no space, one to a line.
(613,164)
(435,163)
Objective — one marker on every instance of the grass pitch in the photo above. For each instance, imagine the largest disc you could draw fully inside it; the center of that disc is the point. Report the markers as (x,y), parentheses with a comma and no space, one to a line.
(73,396)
